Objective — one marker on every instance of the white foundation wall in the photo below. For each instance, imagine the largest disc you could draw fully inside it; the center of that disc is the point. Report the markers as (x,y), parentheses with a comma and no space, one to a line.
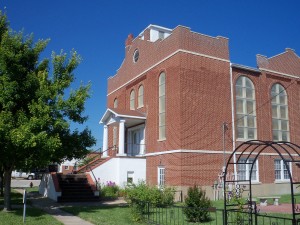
(119,169)
(47,188)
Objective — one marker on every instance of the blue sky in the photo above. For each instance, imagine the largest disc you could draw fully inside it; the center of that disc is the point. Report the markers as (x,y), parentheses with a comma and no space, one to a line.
(97,30)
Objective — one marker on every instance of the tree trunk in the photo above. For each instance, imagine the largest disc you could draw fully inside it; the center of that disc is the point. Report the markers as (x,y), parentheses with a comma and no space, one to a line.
(7,196)
(1,182)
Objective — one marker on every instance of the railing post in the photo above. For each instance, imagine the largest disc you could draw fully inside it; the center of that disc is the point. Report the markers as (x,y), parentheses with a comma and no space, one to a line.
(148,212)
(223,215)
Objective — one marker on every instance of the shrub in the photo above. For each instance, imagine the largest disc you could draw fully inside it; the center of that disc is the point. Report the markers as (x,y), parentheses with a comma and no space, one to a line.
(197,205)
(110,190)
(139,195)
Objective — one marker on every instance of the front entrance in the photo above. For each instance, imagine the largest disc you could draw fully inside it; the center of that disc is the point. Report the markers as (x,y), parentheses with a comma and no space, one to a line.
(136,141)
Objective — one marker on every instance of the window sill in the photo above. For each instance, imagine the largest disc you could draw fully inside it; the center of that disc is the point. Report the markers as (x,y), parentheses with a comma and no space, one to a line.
(139,107)
(243,139)
(282,181)
(163,139)
(253,182)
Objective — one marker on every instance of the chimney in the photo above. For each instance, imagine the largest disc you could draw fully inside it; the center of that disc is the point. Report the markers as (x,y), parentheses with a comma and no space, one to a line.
(128,43)
(262,61)
(129,40)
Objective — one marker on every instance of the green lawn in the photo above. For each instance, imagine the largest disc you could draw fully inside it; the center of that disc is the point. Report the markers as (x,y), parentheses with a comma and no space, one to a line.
(112,215)
(104,215)
(34,216)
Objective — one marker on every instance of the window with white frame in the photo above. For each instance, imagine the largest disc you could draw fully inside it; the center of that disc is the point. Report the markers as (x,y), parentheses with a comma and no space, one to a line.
(245,109)
(115,103)
(141,96)
(130,175)
(280,120)
(162,106)
(281,171)
(132,100)
(161,176)
(244,168)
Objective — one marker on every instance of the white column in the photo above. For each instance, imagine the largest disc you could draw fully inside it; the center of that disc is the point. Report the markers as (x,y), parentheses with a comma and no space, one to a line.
(121,138)
(105,141)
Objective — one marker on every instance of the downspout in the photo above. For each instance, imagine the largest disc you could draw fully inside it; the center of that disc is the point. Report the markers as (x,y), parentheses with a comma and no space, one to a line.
(233,122)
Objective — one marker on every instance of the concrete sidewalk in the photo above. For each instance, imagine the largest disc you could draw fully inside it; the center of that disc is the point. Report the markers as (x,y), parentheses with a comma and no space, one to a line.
(53,208)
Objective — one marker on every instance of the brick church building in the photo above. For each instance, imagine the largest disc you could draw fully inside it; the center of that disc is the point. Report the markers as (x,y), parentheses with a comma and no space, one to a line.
(177,108)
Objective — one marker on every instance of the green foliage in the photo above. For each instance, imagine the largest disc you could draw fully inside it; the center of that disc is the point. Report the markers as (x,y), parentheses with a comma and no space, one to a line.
(110,190)
(87,160)
(138,196)
(37,107)
(235,198)
(196,205)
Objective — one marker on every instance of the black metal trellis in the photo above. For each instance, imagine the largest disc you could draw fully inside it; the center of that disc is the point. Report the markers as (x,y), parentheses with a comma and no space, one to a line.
(235,187)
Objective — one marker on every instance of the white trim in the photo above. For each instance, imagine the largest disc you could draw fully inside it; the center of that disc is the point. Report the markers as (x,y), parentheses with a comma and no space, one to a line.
(169,56)
(159,175)
(247,170)
(186,151)
(119,115)
(210,152)
(232,121)
(284,74)
(282,179)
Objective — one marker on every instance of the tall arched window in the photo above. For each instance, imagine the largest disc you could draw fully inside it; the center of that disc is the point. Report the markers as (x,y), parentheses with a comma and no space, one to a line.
(115,103)
(245,109)
(141,96)
(132,100)
(280,119)
(162,106)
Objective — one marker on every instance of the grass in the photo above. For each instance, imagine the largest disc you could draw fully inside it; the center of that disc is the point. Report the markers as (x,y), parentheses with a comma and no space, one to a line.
(112,215)
(104,215)
(34,216)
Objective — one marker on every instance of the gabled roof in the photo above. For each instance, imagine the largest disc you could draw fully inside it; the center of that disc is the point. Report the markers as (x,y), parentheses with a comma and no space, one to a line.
(287,62)
(121,113)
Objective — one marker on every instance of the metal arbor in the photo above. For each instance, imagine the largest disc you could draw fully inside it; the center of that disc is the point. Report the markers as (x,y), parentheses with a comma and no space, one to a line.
(238,186)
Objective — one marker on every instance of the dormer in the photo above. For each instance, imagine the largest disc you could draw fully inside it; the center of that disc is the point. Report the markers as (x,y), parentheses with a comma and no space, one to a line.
(153,33)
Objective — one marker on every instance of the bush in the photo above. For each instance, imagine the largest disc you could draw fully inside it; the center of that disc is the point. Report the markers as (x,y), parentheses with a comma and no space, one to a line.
(197,205)
(139,195)
(110,190)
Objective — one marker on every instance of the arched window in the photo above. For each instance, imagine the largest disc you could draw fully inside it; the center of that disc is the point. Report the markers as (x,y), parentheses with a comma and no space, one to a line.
(162,106)
(280,119)
(141,96)
(245,109)
(132,99)
(116,103)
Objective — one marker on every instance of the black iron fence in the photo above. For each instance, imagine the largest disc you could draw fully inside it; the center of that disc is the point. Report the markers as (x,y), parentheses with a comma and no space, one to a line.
(174,215)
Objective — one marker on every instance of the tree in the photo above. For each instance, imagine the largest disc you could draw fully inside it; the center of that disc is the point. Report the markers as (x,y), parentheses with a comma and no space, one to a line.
(36,108)
(197,205)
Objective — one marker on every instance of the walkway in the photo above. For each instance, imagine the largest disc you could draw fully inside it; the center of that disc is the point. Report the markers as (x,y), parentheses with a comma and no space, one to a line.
(53,208)
(282,208)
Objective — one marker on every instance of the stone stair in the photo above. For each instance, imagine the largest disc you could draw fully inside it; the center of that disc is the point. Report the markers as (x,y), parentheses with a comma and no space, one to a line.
(75,188)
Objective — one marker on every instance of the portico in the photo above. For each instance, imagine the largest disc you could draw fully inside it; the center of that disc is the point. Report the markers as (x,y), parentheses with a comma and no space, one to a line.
(131,132)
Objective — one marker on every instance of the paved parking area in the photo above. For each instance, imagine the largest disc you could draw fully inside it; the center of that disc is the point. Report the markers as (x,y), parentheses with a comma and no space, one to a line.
(21,183)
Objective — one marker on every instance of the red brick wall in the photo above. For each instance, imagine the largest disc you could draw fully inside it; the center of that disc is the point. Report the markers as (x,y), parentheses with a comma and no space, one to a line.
(153,52)
(67,171)
(198,101)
